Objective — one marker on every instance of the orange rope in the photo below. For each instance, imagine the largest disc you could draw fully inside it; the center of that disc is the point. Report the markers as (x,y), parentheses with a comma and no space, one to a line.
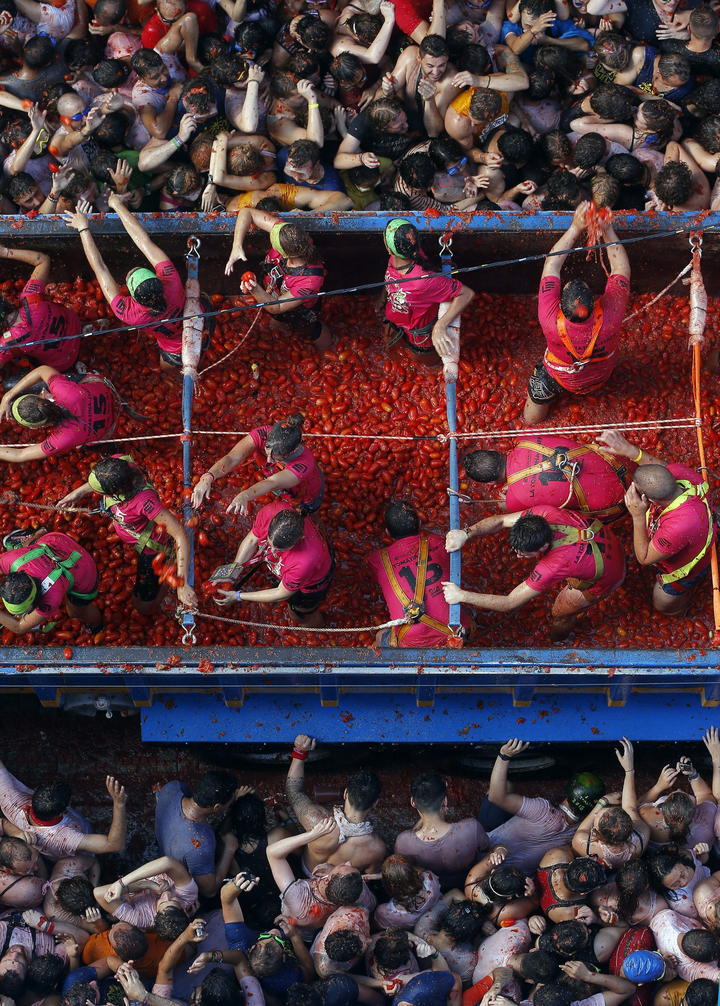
(715,571)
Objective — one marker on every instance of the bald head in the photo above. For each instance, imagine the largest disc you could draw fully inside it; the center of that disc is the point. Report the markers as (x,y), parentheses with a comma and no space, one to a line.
(656,482)
(70,104)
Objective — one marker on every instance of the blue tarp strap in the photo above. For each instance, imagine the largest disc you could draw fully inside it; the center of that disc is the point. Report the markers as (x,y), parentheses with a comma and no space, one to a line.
(188,392)
(451,408)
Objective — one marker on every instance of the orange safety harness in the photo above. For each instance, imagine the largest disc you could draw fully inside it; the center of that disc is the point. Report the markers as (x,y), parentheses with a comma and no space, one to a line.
(413,608)
(566,463)
(580,359)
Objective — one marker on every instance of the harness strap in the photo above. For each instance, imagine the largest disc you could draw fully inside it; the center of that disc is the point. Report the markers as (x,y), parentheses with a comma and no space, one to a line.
(553,456)
(689,491)
(62,566)
(143,538)
(412,608)
(580,359)
(586,535)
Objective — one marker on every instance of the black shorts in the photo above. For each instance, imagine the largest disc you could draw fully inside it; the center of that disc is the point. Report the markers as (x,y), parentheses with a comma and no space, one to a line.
(306,602)
(302,321)
(147,584)
(542,388)
(175,359)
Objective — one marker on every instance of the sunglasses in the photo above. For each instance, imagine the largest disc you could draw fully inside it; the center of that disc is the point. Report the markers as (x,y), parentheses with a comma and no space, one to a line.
(457,167)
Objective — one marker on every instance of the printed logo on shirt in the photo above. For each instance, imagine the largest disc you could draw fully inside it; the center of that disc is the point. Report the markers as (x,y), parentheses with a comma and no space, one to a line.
(398,300)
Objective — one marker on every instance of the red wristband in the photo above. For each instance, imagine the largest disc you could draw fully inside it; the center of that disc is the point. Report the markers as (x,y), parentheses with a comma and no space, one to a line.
(300,755)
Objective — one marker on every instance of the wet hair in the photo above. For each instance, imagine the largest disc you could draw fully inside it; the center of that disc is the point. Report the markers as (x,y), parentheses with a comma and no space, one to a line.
(200,151)
(701,992)
(345,66)
(428,789)
(632,880)
(566,939)
(662,862)
(613,49)
(80,52)
(229,68)
(303,65)
(626,168)
(285,435)
(252,38)
(577,301)
(530,533)
(344,888)
(539,967)
(678,812)
(674,183)
(706,98)
(563,191)
(534,7)
(170,923)
(303,994)
(12,985)
(197,97)
(302,151)
(213,787)
(343,945)
(39,410)
(435,46)
(611,101)
(406,241)
(458,39)
(363,789)
(444,151)
(44,974)
(364,26)
(565,65)
(463,921)
(286,529)
(484,466)
(296,242)
(555,147)
(392,950)
(313,33)
(75,894)
(553,994)
(516,146)
(210,46)
(102,164)
(606,190)
(363,176)
(402,879)
(183,179)
(16,132)
(484,105)
(707,134)
(130,943)
(113,9)
(673,64)
(505,883)
(589,150)
(245,159)
(145,61)
(382,111)
(614,825)
(700,945)
(79,994)
(394,202)
(270,204)
(38,52)
(220,989)
(541,83)
(109,73)
(704,22)
(117,477)
(474,58)
(660,117)
(14,849)
(585,874)
(248,817)
(150,294)
(21,185)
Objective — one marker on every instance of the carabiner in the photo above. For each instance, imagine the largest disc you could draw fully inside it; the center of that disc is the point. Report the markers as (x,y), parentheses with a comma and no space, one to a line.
(696,242)
(445,241)
(189,638)
(462,497)
(193,247)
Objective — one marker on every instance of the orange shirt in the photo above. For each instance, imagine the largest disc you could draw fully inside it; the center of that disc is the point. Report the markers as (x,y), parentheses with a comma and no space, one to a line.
(98,946)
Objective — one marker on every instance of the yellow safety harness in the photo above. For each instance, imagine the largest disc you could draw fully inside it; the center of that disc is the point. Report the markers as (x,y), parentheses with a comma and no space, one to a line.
(567,464)
(690,490)
(143,539)
(413,608)
(576,535)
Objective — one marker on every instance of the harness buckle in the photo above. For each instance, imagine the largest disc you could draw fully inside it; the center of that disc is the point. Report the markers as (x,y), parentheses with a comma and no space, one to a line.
(193,246)
(586,534)
(413,611)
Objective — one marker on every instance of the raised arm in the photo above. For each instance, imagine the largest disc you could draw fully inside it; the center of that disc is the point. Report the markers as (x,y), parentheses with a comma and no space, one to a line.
(497,790)
(39,260)
(114,841)
(278,852)
(136,232)
(227,463)
(626,757)
(247,218)
(79,221)
(305,810)
(229,893)
(711,740)
(570,239)
(618,257)
(701,790)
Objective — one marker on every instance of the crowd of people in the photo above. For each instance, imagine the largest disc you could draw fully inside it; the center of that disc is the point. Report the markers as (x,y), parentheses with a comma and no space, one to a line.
(601,899)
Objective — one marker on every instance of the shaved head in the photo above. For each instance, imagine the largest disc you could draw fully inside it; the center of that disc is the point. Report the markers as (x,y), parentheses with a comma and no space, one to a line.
(655,481)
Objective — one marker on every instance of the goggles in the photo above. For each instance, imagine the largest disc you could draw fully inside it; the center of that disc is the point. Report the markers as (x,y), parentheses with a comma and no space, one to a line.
(278,939)
(456,167)
(79,116)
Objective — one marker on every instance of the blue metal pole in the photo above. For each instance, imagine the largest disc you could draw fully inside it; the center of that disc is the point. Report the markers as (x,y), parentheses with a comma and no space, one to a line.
(451,409)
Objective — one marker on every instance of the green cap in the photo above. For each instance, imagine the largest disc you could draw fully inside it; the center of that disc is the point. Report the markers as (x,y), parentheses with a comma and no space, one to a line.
(583,792)
(137,276)
(275,237)
(24,606)
(391,230)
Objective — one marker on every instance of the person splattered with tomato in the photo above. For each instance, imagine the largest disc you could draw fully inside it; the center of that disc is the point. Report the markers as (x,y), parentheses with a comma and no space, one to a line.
(289,468)
(140,518)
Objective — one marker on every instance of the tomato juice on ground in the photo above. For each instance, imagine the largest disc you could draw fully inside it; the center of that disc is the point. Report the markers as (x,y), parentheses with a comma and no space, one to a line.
(360,388)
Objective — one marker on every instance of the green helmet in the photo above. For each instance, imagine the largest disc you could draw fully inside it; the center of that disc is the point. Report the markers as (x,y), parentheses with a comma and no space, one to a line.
(583,792)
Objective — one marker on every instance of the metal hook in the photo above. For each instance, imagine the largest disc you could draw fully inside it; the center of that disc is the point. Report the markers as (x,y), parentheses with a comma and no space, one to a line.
(445,243)
(696,242)
(462,497)
(189,638)
(193,246)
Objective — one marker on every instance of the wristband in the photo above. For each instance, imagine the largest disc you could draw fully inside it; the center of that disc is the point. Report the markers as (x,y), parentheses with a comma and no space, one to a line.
(468,530)
(83,229)
(504,757)
(45,925)
(178,143)
(314,105)
(299,755)
(693,775)
(637,456)
(602,802)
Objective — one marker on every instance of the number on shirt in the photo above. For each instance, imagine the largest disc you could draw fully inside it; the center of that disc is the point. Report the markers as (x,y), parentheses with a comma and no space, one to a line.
(434,573)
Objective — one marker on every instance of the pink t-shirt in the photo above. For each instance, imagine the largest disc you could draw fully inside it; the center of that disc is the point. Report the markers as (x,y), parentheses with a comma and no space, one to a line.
(303,904)
(601,485)
(450,856)
(403,555)
(55,841)
(131,517)
(393,914)
(300,281)
(303,466)
(496,949)
(37,319)
(534,830)
(682,533)
(168,335)
(305,567)
(577,561)
(666,927)
(91,405)
(604,354)
(347,917)
(140,909)
(51,598)
(413,305)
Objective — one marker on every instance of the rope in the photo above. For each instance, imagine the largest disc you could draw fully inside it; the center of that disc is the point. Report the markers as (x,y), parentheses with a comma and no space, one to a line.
(300,628)
(223,358)
(689,422)
(4,501)
(662,293)
(697,398)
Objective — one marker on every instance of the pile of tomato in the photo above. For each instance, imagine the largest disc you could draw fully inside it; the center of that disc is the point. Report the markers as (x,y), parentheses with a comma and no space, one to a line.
(359,389)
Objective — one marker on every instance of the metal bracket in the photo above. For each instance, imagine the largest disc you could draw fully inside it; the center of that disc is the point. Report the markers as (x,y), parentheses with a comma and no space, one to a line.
(617,695)
(329,696)
(425,696)
(522,696)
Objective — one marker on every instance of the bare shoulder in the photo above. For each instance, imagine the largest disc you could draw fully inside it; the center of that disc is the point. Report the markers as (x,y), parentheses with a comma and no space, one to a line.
(556,857)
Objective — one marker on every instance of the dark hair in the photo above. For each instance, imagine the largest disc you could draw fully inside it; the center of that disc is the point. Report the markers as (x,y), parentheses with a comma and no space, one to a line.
(252,38)
(296,242)
(701,992)
(678,812)
(12,984)
(245,159)
(660,117)
(79,994)
(145,61)
(577,301)
(109,73)
(114,9)
(407,242)
(210,47)
(302,151)
(286,529)
(117,477)
(270,204)
(674,183)
(435,46)
(674,64)
(130,944)
(20,185)
(565,65)
(229,68)
(563,191)
(16,588)
(402,879)
(401,521)
(363,176)
(707,134)
(706,98)
(484,466)
(303,65)
(566,939)
(102,164)
(51,800)
(541,83)
(700,945)
(394,202)
(363,789)
(170,923)
(16,132)
(80,52)
(75,894)
(606,190)
(632,880)
(248,817)
(463,921)
(626,168)
(613,49)
(584,875)
(391,950)
(530,533)
(611,101)
(614,825)
(197,97)
(343,945)
(661,862)
(534,7)
(13,849)
(183,179)
(555,147)
(428,791)
(303,994)
(589,150)
(553,994)
(504,883)
(539,967)
(200,151)
(444,151)
(345,66)
(365,26)
(214,787)
(313,33)
(44,973)
(219,989)
(704,22)
(474,58)
(484,104)
(516,146)
(39,52)
(417,170)
(344,888)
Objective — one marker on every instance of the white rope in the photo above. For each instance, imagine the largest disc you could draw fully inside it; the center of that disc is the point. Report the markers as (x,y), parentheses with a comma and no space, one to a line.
(45,506)
(223,358)
(689,422)
(300,628)
(672,283)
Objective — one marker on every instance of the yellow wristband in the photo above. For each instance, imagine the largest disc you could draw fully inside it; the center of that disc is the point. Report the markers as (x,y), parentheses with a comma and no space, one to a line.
(637,457)
(314,105)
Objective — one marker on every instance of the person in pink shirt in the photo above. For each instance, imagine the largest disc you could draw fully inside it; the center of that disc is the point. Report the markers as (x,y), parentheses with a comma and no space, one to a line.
(44,572)
(680,818)
(411,309)
(288,468)
(156,297)
(412,893)
(582,333)
(139,517)
(295,554)
(342,941)
(37,319)
(565,546)
(676,873)
(453,927)
(82,410)
(292,269)
(415,560)
(695,950)
(160,895)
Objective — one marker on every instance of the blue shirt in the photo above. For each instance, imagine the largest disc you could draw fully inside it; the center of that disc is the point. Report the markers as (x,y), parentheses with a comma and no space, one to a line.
(561,28)
(242,937)
(191,842)
(331,180)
